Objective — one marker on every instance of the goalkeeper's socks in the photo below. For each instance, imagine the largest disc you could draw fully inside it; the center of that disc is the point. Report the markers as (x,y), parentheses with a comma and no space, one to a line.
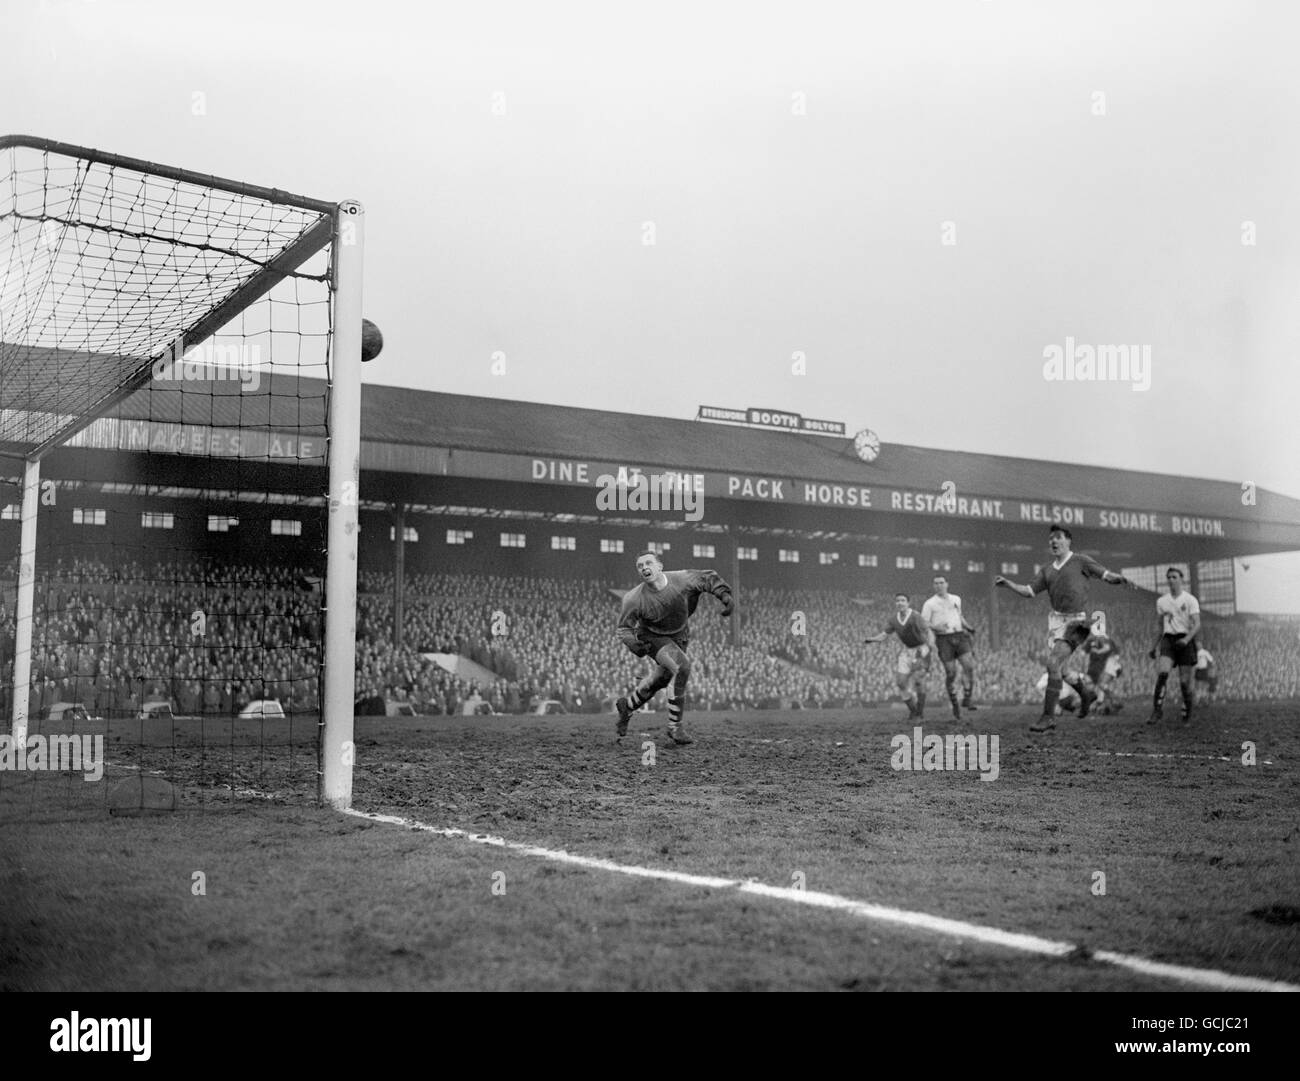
(675,706)
(1051,695)
(1158,702)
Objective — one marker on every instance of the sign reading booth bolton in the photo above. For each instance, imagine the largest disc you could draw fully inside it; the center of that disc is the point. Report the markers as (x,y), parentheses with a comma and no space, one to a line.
(781,419)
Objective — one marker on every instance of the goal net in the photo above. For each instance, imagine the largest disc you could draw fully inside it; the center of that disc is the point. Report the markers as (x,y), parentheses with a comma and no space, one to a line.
(179,445)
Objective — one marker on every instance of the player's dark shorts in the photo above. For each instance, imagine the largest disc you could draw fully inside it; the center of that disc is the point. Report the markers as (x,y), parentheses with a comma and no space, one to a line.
(1207,675)
(655,644)
(1097,669)
(952,646)
(1183,656)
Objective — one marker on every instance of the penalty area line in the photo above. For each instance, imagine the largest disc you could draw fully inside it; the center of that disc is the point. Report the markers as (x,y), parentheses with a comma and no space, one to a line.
(899,917)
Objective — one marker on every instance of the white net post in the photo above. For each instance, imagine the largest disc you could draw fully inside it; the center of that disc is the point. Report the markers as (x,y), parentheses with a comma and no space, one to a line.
(339,685)
(24,603)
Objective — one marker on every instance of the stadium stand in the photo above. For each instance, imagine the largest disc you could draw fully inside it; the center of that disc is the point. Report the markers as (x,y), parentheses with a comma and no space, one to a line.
(114,637)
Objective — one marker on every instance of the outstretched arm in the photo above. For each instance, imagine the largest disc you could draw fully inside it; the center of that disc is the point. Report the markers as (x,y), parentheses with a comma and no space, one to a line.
(1015,587)
(712,582)
(1093,569)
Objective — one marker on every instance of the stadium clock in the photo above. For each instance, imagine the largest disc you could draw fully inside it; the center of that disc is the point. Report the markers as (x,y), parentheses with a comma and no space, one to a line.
(867,445)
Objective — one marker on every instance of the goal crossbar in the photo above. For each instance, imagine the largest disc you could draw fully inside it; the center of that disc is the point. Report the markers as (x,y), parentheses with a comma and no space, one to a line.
(279,268)
(167,172)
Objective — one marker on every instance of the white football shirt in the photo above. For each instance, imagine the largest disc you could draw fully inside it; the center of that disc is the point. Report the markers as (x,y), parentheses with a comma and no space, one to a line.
(1177,611)
(943,614)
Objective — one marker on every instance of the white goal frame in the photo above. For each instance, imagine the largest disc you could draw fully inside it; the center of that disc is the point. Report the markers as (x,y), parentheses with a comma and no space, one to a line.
(341,226)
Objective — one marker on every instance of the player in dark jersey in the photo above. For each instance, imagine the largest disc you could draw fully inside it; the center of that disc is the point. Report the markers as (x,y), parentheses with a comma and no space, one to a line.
(1103,668)
(1065,581)
(913,665)
(654,622)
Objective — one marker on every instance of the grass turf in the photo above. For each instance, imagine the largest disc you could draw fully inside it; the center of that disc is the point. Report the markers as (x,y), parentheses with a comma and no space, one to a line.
(1198,855)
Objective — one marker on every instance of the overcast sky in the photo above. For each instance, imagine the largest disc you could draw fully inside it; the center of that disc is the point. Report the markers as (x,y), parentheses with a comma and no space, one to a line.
(800,166)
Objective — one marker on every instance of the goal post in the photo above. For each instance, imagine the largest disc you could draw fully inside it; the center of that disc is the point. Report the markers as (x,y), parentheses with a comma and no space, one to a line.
(23,605)
(115,273)
(337,747)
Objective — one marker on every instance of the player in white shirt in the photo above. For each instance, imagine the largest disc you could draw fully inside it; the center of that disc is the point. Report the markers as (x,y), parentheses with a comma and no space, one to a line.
(952,635)
(1207,671)
(1179,617)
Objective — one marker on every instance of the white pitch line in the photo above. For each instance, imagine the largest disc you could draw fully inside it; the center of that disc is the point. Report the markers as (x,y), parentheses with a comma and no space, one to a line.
(1219,981)
(989,936)
(1190,757)
(547,853)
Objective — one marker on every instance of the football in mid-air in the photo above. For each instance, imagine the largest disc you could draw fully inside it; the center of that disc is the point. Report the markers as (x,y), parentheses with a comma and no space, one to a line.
(371,340)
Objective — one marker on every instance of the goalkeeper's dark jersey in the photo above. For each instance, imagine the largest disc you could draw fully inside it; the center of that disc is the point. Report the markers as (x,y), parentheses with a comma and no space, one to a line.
(648,613)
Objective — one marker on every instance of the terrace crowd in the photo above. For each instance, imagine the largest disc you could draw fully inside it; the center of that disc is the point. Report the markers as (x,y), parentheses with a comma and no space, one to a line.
(212,637)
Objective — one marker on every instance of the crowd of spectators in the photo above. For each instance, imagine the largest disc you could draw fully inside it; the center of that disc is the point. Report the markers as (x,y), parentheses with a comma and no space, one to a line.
(211,637)
(208,637)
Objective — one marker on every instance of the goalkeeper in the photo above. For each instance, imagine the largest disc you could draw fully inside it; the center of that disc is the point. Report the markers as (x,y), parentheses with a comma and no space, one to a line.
(913,665)
(654,623)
